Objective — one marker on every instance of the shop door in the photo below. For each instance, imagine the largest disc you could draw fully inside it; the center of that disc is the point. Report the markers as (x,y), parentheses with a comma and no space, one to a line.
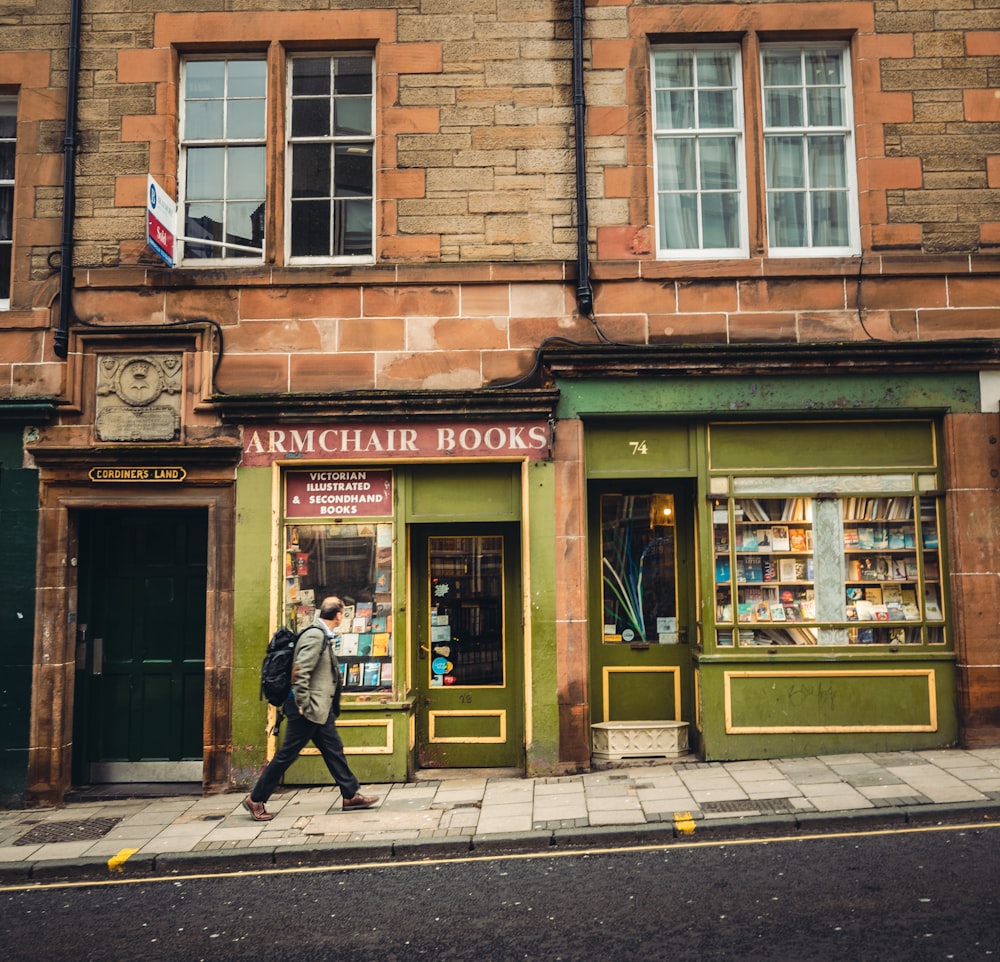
(140,646)
(469,650)
(642,602)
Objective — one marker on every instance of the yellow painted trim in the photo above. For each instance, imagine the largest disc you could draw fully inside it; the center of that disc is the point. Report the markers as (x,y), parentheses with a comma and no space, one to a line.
(385,749)
(697,699)
(928,673)
(501,714)
(608,670)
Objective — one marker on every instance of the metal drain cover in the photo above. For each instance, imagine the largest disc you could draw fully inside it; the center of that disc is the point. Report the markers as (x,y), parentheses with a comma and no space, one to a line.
(761,806)
(85,830)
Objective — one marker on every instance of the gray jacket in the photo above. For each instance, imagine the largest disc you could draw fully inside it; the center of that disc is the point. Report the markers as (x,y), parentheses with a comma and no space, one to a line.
(316,675)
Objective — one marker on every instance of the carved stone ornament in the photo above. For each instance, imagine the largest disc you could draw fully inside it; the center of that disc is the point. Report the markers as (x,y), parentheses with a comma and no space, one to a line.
(138,397)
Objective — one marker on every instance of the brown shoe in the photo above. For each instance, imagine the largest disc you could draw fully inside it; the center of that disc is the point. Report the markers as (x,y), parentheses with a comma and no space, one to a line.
(359,801)
(256,809)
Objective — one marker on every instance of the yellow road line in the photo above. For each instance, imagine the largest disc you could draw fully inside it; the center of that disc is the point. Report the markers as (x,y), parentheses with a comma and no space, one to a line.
(497,857)
(116,861)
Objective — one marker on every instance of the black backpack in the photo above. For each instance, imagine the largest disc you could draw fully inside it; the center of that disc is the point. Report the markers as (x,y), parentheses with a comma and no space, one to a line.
(276,669)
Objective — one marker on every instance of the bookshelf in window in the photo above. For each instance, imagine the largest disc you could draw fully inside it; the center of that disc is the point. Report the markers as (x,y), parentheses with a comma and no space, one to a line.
(893,584)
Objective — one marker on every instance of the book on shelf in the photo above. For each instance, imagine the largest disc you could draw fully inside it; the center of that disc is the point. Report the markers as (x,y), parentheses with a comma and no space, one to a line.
(865,610)
(722,571)
(798,539)
(763,536)
(769,569)
(754,569)
(780,538)
(777,611)
(786,569)
(745,611)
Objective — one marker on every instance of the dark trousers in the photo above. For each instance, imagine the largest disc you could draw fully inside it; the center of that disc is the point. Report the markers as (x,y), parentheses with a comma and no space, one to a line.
(299,731)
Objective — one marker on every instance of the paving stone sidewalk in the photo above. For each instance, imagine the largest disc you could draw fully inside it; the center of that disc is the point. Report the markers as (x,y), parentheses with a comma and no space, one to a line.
(459,811)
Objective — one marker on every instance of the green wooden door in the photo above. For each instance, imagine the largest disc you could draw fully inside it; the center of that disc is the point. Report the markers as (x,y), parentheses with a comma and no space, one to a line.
(141,646)
(642,601)
(467,601)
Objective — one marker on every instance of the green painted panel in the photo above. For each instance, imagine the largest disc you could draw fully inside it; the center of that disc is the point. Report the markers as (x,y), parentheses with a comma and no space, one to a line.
(845,700)
(466,726)
(710,396)
(464,492)
(864,445)
(251,620)
(638,449)
(822,713)
(641,695)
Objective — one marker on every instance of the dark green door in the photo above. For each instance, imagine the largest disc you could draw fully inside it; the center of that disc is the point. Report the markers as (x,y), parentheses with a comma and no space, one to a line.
(468,601)
(140,646)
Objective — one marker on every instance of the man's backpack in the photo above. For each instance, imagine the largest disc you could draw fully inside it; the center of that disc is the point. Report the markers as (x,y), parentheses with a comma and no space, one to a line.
(276,669)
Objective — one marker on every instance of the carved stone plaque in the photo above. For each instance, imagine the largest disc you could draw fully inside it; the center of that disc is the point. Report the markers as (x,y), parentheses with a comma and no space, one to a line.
(138,397)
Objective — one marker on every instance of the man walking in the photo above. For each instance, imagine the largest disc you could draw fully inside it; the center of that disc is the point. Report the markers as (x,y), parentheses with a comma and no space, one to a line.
(312,711)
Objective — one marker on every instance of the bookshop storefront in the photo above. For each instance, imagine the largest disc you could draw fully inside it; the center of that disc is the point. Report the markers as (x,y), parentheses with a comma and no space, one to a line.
(424,531)
(778,578)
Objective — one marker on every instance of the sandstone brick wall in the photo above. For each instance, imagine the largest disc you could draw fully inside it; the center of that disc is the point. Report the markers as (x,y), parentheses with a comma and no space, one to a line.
(475,194)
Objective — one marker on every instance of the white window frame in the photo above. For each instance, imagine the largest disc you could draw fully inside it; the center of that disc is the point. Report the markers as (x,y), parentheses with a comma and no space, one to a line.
(8,106)
(224,142)
(333,139)
(663,133)
(843,130)
(756,188)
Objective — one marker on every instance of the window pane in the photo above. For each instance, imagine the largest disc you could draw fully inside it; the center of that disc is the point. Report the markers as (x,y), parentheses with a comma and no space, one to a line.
(6,160)
(718,163)
(311,118)
(716,108)
(6,213)
(353,116)
(205,173)
(247,78)
(245,177)
(311,228)
(715,68)
(311,170)
(720,220)
(8,119)
(203,120)
(831,227)
(824,66)
(205,79)
(676,168)
(5,253)
(784,162)
(353,75)
(357,233)
(310,76)
(679,221)
(675,109)
(205,221)
(827,162)
(783,108)
(782,67)
(674,68)
(826,107)
(245,226)
(786,219)
(352,171)
(246,120)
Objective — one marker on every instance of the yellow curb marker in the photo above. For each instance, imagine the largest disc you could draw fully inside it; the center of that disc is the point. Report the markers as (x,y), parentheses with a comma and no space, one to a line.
(116,862)
(684,823)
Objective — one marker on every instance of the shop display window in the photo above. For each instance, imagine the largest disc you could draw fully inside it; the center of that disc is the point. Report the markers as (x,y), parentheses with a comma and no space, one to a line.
(352,560)
(639,568)
(834,569)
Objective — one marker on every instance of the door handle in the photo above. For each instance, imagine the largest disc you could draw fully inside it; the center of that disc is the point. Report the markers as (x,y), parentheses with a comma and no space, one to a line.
(98,666)
(424,652)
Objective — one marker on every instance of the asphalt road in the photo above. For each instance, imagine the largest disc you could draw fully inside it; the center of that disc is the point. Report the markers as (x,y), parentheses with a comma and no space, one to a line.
(895,895)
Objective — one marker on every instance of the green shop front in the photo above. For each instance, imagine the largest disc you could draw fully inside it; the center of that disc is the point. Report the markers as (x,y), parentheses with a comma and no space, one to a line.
(424,529)
(767,549)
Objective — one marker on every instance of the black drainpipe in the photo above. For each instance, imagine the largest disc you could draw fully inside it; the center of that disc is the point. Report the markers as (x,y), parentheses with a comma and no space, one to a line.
(584,292)
(61,343)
